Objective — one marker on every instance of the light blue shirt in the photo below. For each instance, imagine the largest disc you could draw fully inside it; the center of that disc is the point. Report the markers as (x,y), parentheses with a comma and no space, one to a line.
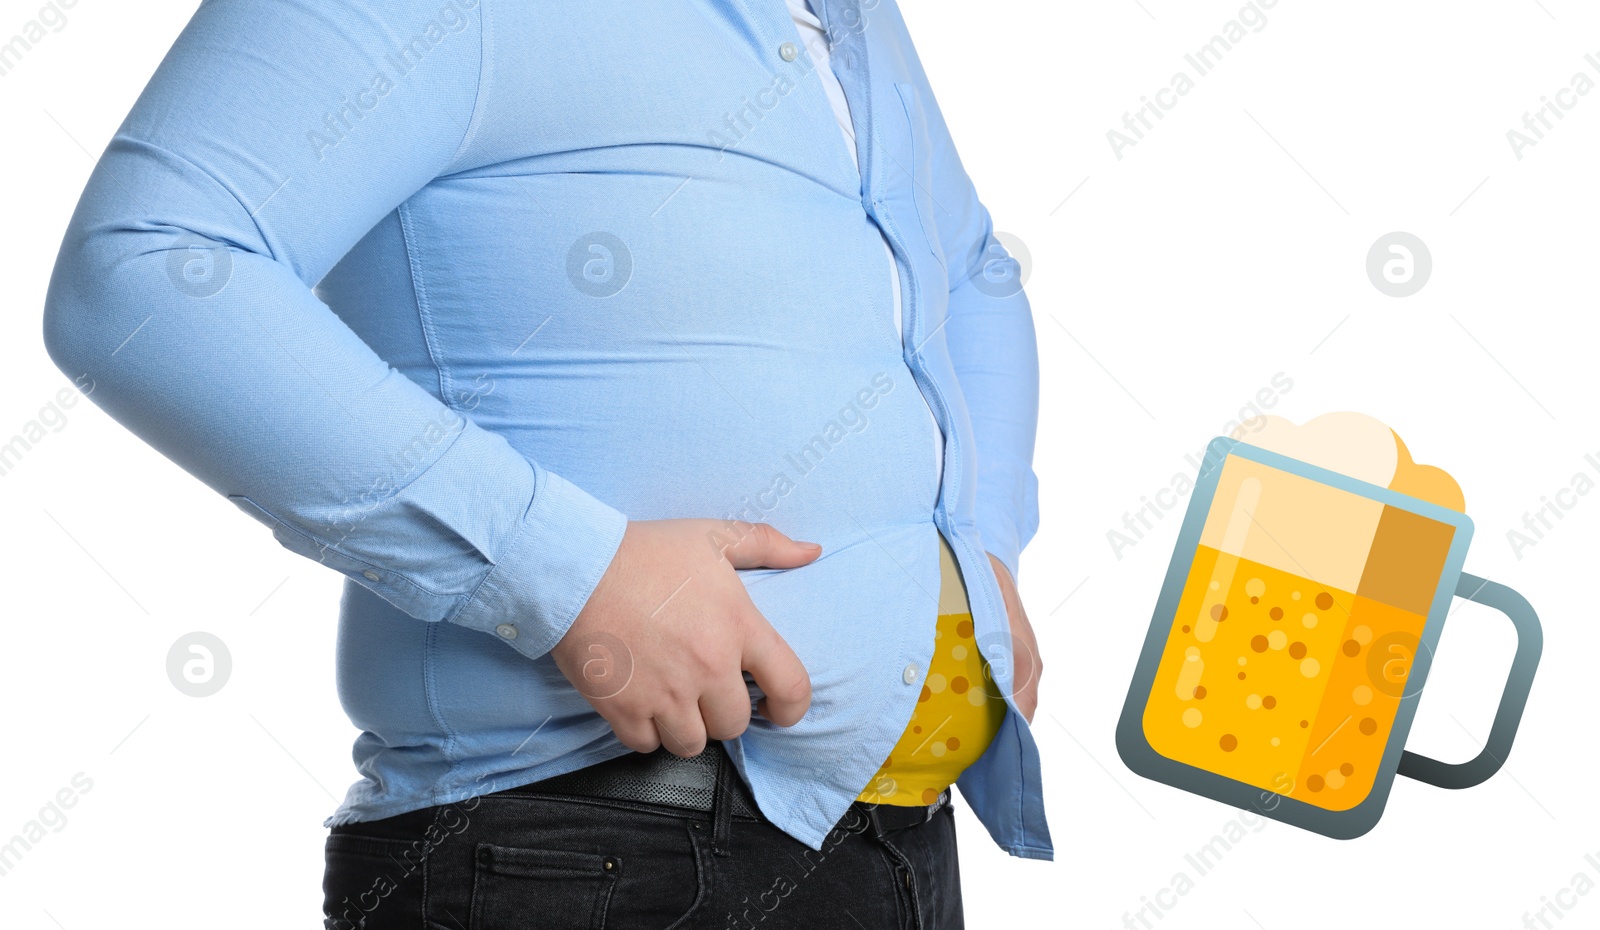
(446,291)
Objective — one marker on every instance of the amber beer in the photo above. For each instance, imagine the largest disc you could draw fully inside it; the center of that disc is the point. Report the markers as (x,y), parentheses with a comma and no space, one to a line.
(1289,652)
(1295,628)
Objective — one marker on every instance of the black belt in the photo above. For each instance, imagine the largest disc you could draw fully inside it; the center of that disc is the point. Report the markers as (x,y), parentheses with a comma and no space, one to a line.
(657,777)
(695,784)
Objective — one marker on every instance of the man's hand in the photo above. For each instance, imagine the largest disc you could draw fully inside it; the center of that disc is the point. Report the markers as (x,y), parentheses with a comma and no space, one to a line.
(660,645)
(1027,666)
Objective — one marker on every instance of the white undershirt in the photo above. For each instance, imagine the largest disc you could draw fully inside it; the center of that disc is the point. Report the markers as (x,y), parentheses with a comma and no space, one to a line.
(812,35)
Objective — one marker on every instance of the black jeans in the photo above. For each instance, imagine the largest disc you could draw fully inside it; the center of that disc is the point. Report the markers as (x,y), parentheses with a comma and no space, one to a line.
(520,859)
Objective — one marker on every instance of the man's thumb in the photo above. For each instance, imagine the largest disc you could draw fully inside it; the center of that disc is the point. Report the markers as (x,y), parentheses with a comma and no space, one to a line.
(760,545)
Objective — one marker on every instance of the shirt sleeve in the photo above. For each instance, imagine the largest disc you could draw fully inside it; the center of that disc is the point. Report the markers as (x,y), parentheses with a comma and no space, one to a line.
(271,138)
(992,346)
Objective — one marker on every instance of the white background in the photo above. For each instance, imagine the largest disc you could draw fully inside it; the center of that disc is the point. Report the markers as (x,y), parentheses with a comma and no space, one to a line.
(1169,288)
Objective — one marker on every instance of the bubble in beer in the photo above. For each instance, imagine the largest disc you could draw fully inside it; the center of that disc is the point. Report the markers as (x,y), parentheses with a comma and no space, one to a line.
(1310,668)
(1304,724)
(1186,627)
(1259,643)
(1189,675)
(1275,741)
(1335,779)
(1362,634)
(1243,661)
(1199,692)
(1241,676)
(1352,648)
(1269,702)
(1314,782)
(1369,726)
(958,685)
(1192,717)
(1276,613)
(1297,650)
(1347,770)
(1309,621)
(1253,701)
(1255,587)
(1294,595)
(1229,742)
(1277,639)
(1362,695)
(1324,600)
(1219,612)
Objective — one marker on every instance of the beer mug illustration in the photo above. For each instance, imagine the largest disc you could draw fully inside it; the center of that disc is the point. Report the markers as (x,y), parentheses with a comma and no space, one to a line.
(1293,634)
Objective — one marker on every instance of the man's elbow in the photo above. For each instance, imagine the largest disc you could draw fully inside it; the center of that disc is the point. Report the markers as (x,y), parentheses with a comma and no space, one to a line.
(106,284)
(68,314)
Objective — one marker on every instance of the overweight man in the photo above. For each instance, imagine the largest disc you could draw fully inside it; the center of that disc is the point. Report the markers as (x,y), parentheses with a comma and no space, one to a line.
(651,371)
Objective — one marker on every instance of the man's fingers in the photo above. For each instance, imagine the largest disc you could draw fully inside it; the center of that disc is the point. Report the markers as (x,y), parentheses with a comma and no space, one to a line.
(779,672)
(682,731)
(760,545)
(725,708)
(638,735)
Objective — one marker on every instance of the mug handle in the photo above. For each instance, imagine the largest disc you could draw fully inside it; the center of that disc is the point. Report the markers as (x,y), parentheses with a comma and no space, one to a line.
(1530,643)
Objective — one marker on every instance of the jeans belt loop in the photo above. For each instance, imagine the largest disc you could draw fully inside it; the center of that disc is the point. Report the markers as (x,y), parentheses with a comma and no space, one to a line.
(722,806)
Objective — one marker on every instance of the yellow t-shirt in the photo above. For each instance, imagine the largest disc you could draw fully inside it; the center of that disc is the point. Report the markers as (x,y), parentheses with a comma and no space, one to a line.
(958,713)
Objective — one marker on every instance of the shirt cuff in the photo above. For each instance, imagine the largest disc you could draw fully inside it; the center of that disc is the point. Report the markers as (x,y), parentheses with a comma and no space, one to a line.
(1008,517)
(546,574)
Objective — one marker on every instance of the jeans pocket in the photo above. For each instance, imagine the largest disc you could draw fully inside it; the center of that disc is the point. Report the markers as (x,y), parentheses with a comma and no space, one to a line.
(547,888)
(370,883)
(563,863)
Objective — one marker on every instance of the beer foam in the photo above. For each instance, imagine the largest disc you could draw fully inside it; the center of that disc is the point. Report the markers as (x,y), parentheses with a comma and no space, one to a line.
(1355,445)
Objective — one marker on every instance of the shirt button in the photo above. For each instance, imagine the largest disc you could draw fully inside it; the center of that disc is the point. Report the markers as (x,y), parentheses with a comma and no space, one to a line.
(909,676)
(788,52)
(371,575)
(506,631)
